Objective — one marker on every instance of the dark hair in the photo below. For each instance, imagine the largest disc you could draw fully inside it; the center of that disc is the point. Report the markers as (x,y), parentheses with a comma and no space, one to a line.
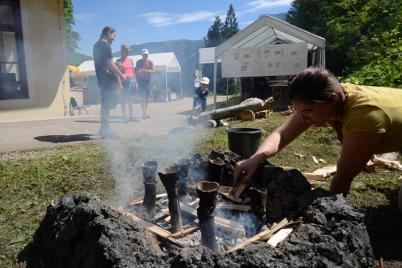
(314,84)
(106,31)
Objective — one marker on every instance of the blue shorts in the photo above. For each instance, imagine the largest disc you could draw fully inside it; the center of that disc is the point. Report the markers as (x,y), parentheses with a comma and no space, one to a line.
(128,87)
(144,89)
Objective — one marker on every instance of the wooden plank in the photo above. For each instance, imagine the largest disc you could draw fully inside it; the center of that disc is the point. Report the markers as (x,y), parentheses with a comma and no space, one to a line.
(222,223)
(279,236)
(380,162)
(244,208)
(314,177)
(185,232)
(261,236)
(140,201)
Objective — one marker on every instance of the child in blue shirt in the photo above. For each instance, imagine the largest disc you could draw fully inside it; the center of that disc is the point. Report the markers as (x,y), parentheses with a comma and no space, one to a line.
(201,94)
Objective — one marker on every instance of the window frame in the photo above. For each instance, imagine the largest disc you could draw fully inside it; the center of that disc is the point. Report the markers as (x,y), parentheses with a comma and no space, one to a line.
(16,28)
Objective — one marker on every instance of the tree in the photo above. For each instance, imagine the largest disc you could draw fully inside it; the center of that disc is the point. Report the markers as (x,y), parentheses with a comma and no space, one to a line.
(214,36)
(72,37)
(363,37)
(230,27)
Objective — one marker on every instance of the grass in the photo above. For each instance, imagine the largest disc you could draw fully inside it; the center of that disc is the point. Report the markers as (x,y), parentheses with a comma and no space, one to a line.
(30,180)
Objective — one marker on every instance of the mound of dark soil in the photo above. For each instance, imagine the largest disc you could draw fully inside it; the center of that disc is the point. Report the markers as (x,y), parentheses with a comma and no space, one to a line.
(80,231)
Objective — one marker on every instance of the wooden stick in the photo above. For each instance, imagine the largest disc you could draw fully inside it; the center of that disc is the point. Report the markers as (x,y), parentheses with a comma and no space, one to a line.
(314,177)
(236,191)
(244,208)
(194,203)
(141,201)
(222,223)
(261,236)
(185,232)
(150,227)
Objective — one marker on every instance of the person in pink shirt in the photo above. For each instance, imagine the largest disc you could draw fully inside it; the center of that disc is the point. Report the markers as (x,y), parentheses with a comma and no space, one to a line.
(126,66)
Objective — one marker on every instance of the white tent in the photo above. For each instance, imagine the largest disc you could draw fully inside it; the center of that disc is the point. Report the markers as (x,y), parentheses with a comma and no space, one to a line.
(163,62)
(267,30)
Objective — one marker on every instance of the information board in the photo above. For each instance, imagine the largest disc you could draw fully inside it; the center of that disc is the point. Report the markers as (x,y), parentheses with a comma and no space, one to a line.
(271,60)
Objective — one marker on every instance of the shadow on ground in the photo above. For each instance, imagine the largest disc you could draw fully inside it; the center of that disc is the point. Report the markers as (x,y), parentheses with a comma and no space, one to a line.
(65,138)
(384,225)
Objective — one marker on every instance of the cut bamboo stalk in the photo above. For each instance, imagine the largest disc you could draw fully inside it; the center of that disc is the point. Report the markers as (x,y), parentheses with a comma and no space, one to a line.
(261,236)
(221,223)
(170,179)
(215,169)
(207,192)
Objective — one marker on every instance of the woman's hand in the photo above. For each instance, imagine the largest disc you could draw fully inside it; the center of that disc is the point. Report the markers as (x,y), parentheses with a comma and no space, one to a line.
(245,169)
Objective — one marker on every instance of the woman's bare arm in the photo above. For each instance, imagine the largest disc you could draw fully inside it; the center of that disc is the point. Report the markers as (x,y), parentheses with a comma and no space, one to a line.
(357,148)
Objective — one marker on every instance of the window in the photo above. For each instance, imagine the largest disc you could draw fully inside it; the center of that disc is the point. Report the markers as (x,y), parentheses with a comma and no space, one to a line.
(13,84)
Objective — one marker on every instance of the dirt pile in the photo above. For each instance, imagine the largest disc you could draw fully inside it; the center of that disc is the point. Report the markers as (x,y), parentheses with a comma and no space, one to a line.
(80,231)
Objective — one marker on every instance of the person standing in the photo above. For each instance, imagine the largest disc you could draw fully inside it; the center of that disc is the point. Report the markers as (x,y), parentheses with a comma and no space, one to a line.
(109,77)
(126,66)
(144,68)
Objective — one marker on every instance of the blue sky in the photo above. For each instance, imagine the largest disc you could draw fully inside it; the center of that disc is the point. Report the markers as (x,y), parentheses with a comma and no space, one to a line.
(138,22)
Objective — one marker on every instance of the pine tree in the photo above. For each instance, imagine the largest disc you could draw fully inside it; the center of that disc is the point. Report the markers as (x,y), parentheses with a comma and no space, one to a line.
(230,27)
(214,36)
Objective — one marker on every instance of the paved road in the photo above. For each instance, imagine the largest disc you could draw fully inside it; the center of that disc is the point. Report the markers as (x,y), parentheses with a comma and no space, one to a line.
(49,133)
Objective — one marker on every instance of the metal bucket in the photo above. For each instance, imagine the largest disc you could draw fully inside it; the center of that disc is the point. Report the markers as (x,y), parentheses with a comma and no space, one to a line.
(244,141)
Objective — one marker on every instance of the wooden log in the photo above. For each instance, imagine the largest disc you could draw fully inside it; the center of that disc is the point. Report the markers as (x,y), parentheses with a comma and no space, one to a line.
(247,115)
(261,114)
(211,124)
(150,227)
(253,104)
(221,223)
(185,232)
(261,236)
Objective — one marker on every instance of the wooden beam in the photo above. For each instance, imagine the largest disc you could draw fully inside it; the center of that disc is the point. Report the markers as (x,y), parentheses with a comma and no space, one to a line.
(141,201)
(244,208)
(222,223)
(185,232)
(261,236)
(150,227)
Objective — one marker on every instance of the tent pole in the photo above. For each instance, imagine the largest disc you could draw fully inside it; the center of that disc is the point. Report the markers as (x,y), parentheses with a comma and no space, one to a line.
(166,91)
(215,66)
(323,57)
(181,87)
(227,89)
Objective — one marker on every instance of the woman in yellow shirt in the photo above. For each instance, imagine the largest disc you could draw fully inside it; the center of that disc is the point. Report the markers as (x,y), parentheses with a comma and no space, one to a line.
(368,120)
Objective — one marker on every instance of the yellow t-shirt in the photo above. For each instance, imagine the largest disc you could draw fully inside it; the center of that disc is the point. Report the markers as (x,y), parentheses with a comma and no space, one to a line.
(374,110)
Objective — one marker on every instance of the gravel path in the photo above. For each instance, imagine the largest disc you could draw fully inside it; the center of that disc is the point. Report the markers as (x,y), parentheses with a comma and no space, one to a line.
(50,133)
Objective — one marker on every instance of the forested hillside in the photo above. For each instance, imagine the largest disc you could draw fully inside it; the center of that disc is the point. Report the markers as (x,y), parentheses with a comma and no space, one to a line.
(364,37)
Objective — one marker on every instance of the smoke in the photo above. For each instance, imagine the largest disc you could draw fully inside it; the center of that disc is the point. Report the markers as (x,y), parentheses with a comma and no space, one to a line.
(126,156)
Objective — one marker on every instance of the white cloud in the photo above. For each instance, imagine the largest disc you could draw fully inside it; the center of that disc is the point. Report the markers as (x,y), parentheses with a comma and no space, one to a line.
(132,30)
(264,4)
(162,19)
(84,17)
